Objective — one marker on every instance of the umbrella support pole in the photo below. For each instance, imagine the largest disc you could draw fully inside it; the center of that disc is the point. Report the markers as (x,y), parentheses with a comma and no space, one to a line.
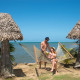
(78,57)
(6,65)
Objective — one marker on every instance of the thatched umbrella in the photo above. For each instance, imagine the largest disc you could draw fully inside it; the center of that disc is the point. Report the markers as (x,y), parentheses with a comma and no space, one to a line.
(75,34)
(9,30)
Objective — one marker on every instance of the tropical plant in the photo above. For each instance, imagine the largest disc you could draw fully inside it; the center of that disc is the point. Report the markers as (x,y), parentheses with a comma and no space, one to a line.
(73,52)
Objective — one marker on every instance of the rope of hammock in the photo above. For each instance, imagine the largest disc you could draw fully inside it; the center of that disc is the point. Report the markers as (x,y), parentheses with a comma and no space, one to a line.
(24,49)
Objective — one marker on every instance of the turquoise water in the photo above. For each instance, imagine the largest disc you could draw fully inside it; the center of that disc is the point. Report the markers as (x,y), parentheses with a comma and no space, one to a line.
(21,56)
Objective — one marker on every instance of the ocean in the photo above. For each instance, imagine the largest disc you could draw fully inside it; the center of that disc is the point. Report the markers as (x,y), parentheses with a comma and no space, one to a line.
(21,56)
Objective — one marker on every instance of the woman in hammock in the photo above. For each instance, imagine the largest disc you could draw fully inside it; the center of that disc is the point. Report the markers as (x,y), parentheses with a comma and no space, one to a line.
(52,56)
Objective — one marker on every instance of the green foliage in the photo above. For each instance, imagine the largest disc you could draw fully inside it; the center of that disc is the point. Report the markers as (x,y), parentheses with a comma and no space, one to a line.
(43,77)
(73,52)
(12,57)
(9,79)
(11,47)
(66,61)
(27,79)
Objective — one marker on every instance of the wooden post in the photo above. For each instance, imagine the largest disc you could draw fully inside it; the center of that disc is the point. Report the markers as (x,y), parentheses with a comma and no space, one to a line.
(6,65)
(78,57)
(77,64)
(65,50)
(35,54)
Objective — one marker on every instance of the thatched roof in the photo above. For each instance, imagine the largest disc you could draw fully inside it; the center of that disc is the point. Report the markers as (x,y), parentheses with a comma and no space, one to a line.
(75,32)
(8,28)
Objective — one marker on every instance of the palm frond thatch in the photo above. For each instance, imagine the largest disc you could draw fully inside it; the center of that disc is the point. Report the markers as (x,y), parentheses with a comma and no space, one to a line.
(8,28)
(75,32)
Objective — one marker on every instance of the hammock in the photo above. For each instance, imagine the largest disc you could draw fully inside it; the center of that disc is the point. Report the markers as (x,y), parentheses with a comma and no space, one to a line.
(62,53)
(28,50)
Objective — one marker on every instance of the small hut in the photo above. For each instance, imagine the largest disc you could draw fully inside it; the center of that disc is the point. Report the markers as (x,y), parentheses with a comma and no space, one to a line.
(75,34)
(9,30)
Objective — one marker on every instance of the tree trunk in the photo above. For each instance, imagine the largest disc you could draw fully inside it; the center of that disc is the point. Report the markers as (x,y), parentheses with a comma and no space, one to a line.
(6,65)
(78,58)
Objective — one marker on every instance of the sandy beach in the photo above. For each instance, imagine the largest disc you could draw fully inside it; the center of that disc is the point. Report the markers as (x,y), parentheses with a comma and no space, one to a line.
(27,72)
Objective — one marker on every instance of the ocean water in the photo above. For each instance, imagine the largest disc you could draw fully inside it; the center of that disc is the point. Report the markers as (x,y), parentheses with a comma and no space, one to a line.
(21,56)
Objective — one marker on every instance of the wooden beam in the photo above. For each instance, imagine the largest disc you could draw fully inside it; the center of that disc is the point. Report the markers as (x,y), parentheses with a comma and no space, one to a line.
(66,50)
(35,54)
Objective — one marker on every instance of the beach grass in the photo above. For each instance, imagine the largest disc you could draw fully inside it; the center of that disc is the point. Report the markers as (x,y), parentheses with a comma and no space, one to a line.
(27,79)
(9,79)
(20,79)
(65,77)
(44,77)
(53,77)
(59,77)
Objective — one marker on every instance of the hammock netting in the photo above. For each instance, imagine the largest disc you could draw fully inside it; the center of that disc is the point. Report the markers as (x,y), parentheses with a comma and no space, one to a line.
(61,53)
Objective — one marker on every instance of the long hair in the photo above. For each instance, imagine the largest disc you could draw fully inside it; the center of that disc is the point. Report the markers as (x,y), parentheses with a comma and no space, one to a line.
(53,49)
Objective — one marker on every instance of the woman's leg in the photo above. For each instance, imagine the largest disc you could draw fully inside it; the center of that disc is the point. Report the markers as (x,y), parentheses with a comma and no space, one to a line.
(52,65)
(55,65)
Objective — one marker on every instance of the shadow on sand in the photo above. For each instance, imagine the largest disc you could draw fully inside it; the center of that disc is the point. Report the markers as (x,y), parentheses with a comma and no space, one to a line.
(48,68)
(18,73)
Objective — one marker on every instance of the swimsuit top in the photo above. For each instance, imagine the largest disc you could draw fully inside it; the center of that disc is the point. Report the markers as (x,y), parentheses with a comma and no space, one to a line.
(53,54)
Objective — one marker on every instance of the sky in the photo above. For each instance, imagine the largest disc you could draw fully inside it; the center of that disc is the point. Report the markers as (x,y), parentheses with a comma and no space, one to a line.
(38,19)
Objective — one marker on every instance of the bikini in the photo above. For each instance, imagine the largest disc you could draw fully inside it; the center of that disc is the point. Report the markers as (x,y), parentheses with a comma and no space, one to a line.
(53,55)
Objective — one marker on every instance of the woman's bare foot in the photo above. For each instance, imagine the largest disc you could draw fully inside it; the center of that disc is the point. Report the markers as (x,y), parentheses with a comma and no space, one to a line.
(51,70)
